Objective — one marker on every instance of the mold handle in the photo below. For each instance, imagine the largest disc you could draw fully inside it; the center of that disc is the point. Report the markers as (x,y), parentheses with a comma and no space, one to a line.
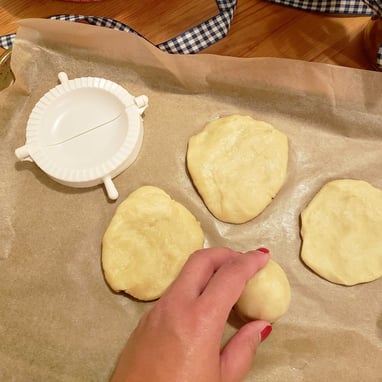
(22,153)
(63,77)
(112,192)
(141,102)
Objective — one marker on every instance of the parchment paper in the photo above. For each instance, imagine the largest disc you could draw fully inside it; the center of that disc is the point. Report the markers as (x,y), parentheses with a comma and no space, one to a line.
(60,321)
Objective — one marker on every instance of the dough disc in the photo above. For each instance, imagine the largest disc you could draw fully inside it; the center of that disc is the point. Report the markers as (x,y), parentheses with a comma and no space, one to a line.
(238,165)
(266,296)
(342,232)
(149,239)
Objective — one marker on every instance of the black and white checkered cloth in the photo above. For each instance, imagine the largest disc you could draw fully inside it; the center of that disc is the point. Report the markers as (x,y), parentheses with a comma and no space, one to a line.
(204,34)
(191,41)
(6,41)
(375,6)
(214,29)
(344,7)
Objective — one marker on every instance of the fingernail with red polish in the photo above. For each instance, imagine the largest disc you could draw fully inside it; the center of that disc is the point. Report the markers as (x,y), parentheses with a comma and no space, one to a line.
(262,249)
(265,333)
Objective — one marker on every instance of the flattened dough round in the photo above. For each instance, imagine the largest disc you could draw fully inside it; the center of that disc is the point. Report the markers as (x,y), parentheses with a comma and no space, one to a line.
(238,165)
(342,232)
(149,239)
(266,296)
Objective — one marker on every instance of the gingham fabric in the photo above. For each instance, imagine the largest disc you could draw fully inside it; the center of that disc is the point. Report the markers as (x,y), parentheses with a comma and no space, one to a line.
(375,6)
(6,41)
(344,7)
(204,34)
(191,41)
(207,33)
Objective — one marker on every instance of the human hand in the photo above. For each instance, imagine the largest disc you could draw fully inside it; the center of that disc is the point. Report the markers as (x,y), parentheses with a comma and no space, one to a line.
(179,339)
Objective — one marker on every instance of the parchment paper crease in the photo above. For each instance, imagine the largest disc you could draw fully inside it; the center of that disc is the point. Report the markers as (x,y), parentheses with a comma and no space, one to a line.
(60,321)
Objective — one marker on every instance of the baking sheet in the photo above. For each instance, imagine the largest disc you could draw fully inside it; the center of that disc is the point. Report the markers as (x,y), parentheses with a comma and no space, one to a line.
(60,321)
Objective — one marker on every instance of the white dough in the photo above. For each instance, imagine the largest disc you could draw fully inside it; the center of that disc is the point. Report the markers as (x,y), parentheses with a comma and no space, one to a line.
(266,296)
(238,165)
(147,243)
(342,232)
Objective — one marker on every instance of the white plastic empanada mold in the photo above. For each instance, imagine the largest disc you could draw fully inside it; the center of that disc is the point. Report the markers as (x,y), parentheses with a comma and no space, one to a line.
(84,132)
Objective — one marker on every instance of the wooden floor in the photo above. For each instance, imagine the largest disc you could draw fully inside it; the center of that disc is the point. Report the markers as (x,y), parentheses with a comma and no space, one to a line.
(259,28)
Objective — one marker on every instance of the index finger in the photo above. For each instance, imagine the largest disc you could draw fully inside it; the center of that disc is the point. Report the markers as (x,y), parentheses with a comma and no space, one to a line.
(198,270)
(227,284)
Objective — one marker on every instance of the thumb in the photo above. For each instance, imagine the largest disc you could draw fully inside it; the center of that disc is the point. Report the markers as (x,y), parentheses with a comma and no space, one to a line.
(237,355)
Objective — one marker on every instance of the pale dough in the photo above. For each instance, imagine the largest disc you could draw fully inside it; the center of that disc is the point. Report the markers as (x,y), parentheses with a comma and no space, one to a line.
(238,165)
(266,296)
(342,232)
(149,239)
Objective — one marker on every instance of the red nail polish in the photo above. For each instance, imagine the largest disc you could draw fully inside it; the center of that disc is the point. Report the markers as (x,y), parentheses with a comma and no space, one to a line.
(265,333)
(262,249)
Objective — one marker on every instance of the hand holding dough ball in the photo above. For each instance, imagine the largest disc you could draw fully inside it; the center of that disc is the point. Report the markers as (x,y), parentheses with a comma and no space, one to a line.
(266,296)
(238,165)
(147,243)
(342,232)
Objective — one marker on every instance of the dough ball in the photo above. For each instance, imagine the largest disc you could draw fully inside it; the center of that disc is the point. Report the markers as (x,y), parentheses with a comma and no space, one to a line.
(238,165)
(342,232)
(149,239)
(266,296)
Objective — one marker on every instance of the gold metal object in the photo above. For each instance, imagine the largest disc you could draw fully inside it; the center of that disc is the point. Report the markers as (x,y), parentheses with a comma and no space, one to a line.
(6,76)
